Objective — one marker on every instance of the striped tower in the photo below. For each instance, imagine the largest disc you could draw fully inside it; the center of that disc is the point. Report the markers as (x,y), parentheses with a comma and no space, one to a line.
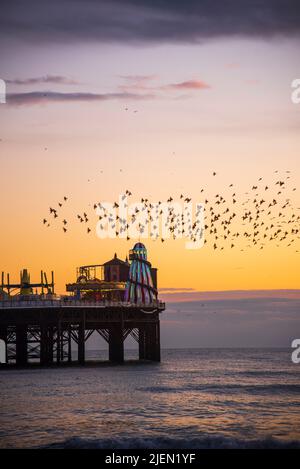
(139,287)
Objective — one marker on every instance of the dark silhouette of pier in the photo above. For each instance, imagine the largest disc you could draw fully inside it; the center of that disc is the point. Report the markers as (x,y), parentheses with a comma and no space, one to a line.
(114,300)
(47,330)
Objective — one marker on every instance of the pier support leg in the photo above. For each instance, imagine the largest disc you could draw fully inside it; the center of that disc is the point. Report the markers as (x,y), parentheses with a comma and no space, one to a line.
(62,346)
(81,344)
(142,343)
(21,345)
(44,345)
(157,341)
(58,342)
(116,344)
(50,344)
(69,345)
(152,342)
(3,336)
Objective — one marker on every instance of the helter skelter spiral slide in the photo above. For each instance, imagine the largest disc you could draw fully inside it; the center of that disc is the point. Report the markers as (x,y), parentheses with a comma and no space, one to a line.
(139,287)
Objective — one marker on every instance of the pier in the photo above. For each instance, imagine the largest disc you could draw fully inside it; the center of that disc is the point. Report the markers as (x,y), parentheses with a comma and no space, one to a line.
(48,329)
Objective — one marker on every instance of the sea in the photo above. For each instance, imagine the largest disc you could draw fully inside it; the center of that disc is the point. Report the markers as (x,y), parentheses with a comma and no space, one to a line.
(194,398)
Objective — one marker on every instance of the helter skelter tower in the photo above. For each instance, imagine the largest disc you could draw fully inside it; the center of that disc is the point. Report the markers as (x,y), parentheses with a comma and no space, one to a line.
(139,287)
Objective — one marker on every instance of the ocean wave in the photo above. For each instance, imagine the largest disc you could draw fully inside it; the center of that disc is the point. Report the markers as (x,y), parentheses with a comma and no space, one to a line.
(270,389)
(264,373)
(205,442)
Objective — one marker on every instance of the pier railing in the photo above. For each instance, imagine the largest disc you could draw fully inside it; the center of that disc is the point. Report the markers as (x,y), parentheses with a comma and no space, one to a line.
(71,303)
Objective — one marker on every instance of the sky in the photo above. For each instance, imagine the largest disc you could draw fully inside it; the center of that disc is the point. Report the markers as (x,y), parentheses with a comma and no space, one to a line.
(153,97)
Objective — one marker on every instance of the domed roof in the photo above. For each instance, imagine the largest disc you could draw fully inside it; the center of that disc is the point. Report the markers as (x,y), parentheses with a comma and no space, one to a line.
(139,246)
(138,251)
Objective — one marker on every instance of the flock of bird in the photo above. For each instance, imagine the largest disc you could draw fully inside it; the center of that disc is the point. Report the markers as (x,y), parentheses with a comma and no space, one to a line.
(256,218)
(53,212)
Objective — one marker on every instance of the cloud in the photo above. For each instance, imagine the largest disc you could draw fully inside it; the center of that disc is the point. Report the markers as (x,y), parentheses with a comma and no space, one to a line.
(147,21)
(180,295)
(188,85)
(54,79)
(137,88)
(44,97)
(137,83)
(141,79)
(144,83)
